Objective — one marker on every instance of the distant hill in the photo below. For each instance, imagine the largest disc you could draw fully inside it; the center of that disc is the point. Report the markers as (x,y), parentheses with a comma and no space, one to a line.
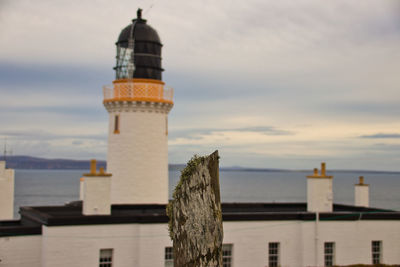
(27,162)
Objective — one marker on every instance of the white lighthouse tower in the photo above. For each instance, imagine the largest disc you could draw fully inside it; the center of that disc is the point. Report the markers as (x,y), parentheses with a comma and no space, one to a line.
(138,104)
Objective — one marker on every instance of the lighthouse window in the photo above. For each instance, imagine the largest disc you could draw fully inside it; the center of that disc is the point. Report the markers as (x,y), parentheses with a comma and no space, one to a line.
(166,126)
(125,66)
(116,124)
(106,256)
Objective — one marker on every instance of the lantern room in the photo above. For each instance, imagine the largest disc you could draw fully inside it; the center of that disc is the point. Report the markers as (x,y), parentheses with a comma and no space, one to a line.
(138,51)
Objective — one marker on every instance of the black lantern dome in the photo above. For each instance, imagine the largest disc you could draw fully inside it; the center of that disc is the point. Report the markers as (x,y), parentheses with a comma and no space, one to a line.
(138,51)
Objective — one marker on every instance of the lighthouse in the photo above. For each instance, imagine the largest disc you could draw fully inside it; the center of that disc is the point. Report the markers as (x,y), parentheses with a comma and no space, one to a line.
(138,103)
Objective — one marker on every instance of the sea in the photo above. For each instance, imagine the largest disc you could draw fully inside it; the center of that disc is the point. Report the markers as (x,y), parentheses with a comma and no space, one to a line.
(57,187)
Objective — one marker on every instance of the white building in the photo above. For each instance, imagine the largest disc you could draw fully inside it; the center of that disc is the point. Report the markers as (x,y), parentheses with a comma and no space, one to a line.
(7,192)
(121,221)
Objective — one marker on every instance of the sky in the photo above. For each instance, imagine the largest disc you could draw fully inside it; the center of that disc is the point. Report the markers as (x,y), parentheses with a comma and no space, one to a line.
(270,84)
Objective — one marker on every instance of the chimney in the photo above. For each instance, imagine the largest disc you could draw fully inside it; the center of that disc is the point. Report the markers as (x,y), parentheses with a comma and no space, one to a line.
(81,187)
(361,193)
(6,192)
(319,191)
(96,188)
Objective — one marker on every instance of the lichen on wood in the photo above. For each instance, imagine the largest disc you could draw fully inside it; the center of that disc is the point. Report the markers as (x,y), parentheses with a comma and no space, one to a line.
(195,224)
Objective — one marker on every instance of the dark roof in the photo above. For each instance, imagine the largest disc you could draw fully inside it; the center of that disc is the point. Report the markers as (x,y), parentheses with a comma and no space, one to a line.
(15,228)
(142,33)
(32,218)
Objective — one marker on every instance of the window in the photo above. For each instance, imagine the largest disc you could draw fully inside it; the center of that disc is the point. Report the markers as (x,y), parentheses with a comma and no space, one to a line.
(376,252)
(166,126)
(227,255)
(169,257)
(116,124)
(106,256)
(273,254)
(329,248)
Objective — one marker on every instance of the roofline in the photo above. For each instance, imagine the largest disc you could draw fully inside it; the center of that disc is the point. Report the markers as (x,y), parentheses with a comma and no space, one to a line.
(33,218)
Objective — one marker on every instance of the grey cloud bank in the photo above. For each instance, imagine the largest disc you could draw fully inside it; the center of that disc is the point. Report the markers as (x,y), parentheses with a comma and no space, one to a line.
(193,133)
(271,84)
(381,135)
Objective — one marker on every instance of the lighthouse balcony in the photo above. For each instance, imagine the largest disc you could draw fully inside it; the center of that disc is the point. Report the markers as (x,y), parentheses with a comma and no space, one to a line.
(138,90)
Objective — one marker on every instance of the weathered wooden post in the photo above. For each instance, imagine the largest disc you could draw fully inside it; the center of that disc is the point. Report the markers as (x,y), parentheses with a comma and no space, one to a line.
(195,216)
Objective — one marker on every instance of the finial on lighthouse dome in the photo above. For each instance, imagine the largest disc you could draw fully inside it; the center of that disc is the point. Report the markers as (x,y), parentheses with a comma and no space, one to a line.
(138,51)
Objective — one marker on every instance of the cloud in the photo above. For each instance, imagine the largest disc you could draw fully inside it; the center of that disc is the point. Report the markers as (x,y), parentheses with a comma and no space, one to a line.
(50,74)
(247,77)
(43,135)
(53,145)
(294,154)
(196,134)
(260,129)
(381,136)
(77,142)
(388,148)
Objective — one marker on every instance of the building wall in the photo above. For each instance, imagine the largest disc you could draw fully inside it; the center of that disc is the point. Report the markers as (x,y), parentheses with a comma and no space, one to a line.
(143,245)
(353,240)
(6,192)
(250,242)
(154,239)
(138,156)
(132,244)
(299,240)
(80,245)
(21,251)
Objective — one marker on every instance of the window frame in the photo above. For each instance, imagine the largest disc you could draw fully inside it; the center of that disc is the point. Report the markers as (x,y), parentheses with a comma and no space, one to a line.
(329,254)
(274,254)
(168,256)
(376,251)
(227,260)
(117,123)
(166,125)
(106,261)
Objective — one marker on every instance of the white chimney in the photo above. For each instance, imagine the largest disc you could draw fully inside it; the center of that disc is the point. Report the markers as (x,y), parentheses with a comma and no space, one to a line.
(81,187)
(361,193)
(319,191)
(6,192)
(96,192)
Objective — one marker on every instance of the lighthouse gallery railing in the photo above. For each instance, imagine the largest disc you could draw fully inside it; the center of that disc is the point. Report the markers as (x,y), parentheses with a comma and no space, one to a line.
(138,91)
